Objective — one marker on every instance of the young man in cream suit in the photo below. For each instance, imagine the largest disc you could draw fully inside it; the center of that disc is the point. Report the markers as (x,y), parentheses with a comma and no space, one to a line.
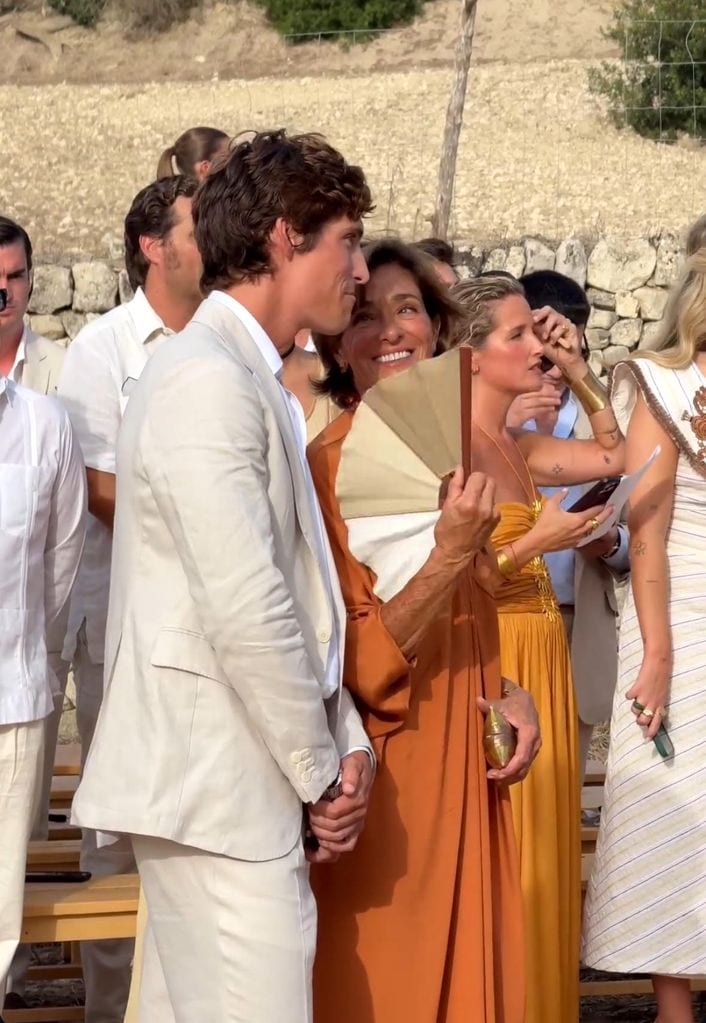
(224,735)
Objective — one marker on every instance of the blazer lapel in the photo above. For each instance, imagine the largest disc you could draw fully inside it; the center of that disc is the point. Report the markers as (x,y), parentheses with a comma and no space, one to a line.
(239,342)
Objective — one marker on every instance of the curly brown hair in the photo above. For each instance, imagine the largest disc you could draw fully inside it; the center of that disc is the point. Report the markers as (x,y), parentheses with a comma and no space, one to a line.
(151,214)
(338,383)
(271,175)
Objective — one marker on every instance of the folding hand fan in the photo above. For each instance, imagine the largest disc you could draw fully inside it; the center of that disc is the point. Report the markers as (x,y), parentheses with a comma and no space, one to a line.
(409,432)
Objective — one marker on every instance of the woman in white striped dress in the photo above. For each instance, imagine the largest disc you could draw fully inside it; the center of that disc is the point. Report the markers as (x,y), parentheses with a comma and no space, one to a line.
(646,903)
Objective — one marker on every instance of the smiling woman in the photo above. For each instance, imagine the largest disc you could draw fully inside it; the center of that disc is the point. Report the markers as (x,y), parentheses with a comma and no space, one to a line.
(421,922)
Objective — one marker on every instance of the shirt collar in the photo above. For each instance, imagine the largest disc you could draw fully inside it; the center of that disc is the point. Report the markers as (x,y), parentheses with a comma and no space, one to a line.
(568,414)
(255,329)
(147,322)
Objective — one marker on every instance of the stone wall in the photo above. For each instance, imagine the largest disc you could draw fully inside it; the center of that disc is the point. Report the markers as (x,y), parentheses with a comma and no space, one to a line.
(627,281)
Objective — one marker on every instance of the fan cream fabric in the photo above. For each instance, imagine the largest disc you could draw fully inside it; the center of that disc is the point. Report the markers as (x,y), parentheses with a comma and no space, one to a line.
(405,437)
(394,547)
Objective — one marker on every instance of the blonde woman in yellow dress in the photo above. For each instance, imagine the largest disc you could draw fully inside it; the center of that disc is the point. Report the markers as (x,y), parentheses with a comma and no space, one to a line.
(508,342)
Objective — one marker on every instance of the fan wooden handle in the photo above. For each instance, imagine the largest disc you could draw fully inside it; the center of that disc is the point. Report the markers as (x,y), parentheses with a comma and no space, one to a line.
(466,379)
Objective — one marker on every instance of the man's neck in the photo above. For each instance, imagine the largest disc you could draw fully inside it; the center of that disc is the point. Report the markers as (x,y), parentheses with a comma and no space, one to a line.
(264,300)
(174,311)
(9,343)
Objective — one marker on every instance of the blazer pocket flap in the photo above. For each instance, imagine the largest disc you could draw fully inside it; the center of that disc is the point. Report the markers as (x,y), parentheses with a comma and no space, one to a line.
(186,651)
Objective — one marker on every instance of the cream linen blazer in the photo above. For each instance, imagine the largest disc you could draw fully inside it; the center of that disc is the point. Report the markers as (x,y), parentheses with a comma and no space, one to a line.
(598,594)
(213,729)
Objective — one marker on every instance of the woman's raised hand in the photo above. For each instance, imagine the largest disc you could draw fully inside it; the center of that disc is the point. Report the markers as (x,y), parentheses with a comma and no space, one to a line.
(562,345)
(468,517)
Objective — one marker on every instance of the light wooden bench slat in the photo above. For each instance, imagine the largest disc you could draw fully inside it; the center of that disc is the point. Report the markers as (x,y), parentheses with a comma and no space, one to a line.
(46,1014)
(595,773)
(67,759)
(104,907)
(54,855)
(60,831)
(63,790)
(55,971)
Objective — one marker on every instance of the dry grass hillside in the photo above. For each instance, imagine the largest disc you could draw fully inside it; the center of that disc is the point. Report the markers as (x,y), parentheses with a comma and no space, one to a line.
(86,114)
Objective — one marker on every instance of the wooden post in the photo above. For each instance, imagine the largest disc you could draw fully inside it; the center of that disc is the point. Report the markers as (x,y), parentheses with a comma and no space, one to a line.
(454,120)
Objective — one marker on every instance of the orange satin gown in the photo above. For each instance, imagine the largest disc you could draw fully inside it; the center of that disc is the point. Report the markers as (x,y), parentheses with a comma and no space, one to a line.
(546,805)
(422,922)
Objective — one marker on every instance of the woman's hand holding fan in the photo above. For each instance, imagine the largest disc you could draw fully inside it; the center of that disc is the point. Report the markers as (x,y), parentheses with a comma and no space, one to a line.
(468,517)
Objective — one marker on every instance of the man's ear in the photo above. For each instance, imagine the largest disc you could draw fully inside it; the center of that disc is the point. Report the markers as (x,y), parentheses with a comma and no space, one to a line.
(151,248)
(284,240)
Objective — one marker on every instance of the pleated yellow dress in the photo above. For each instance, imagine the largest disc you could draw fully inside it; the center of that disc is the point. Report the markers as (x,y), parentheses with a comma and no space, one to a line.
(546,806)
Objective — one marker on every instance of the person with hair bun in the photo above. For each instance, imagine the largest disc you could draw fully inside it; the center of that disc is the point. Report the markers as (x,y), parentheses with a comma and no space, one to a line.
(193,153)
(645,911)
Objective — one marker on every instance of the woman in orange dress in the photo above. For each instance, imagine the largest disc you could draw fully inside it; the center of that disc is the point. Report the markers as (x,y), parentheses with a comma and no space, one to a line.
(508,342)
(421,923)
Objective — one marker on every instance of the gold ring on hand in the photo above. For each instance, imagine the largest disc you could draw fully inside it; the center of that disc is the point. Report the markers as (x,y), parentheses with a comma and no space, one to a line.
(594,524)
(647,712)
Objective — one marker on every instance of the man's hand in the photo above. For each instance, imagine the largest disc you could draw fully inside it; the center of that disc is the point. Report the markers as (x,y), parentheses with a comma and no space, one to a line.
(468,517)
(602,546)
(337,825)
(542,406)
(518,710)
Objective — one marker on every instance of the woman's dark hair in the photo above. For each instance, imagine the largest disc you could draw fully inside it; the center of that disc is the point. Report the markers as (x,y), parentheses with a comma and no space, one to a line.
(11,232)
(564,295)
(299,178)
(195,145)
(338,383)
(437,249)
(151,214)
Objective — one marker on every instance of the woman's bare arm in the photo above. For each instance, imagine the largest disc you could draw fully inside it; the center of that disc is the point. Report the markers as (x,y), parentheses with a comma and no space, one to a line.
(649,516)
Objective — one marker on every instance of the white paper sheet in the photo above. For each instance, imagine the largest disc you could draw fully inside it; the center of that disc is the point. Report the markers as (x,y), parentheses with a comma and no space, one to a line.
(619,498)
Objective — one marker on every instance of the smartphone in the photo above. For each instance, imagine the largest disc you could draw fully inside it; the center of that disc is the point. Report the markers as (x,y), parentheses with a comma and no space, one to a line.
(663,743)
(597,494)
(58,876)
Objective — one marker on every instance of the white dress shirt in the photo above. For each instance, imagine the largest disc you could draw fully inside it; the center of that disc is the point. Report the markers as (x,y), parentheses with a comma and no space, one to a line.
(42,526)
(101,368)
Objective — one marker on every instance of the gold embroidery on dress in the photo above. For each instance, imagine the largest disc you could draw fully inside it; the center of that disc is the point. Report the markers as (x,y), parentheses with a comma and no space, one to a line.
(698,424)
(538,568)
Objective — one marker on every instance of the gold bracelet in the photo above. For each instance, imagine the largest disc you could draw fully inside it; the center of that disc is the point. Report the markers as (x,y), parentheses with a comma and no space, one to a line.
(507,565)
(590,392)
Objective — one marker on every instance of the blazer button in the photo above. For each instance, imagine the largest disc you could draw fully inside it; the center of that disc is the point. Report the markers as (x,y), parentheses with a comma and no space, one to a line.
(296,758)
(306,774)
(323,635)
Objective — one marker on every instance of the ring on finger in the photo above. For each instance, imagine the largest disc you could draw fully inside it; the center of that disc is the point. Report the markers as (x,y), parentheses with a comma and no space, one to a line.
(636,707)
(593,524)
(647,712)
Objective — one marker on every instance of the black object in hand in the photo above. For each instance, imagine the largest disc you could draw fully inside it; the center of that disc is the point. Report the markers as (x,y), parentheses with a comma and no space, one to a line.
(597,494)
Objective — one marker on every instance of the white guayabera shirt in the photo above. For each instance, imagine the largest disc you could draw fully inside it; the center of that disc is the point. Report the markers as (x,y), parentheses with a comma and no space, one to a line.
(42,528)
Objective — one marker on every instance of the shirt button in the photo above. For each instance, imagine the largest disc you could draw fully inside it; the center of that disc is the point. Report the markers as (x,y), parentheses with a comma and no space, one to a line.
(323,635)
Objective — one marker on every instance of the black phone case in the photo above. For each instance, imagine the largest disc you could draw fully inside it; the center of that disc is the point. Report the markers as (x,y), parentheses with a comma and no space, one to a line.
(598,494)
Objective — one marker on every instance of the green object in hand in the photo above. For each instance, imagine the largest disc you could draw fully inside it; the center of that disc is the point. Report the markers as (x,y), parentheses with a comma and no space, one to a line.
(664,744)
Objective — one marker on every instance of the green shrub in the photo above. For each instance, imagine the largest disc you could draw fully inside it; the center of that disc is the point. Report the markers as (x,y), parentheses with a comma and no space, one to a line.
(85,12)
(659,90)
(301,17)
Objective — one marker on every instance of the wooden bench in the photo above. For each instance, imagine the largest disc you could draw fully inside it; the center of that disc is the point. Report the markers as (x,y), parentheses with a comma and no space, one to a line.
(54,855)
(63,790)
(104,907)
(67,759)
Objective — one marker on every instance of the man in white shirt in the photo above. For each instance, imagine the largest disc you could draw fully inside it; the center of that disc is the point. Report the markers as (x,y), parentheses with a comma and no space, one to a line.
(224,717)
(101,369)
(34,361)
(25,356)
(42,525)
